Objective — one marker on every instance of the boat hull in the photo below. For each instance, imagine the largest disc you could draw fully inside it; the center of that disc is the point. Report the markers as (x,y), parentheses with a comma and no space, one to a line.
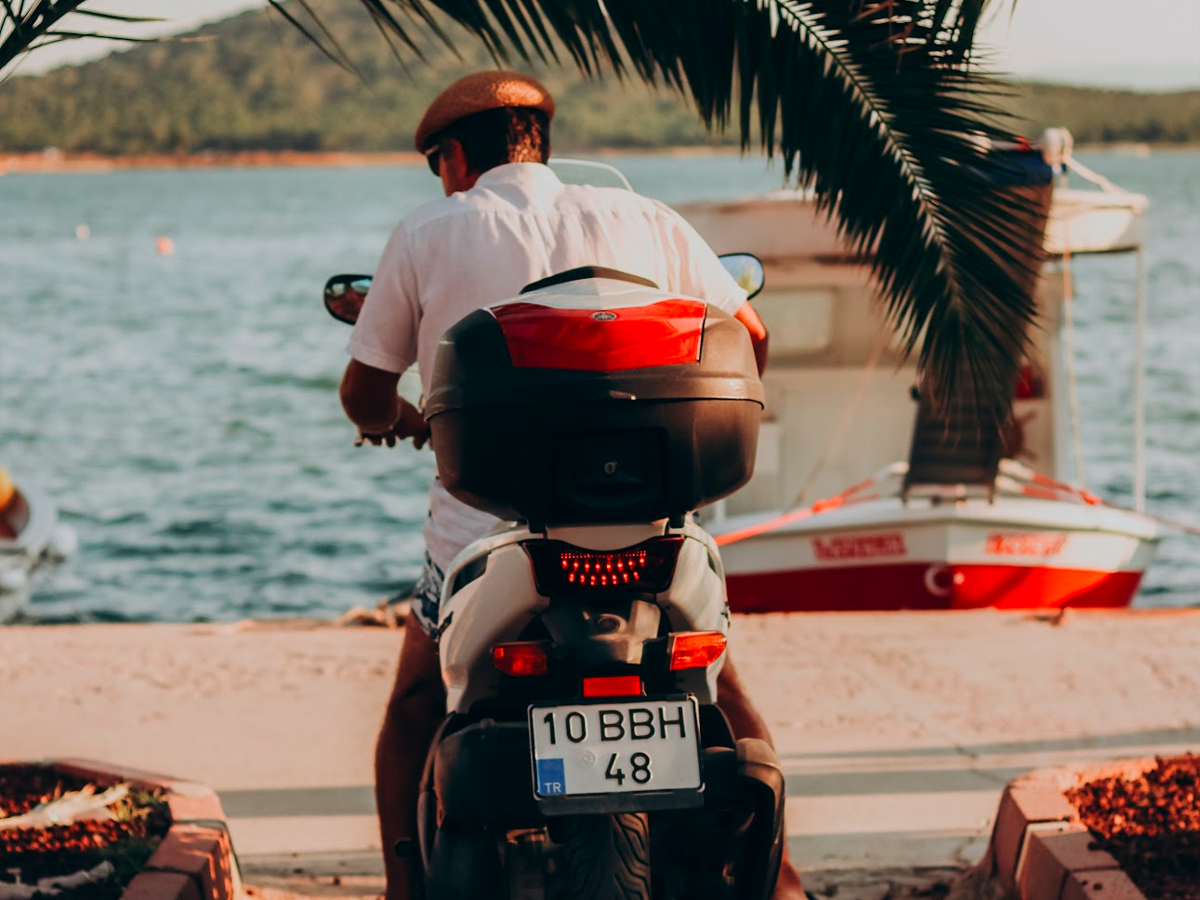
(906,586)
(1012,553)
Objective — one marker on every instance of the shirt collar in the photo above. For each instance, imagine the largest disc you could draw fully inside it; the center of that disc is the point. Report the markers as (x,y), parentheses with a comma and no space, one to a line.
(518,173)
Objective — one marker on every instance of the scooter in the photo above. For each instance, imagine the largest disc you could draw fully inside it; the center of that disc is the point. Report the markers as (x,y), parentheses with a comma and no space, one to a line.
(584,754)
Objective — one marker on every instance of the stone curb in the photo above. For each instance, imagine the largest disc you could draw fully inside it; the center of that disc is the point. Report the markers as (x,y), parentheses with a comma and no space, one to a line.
(1042,851)
(195,860)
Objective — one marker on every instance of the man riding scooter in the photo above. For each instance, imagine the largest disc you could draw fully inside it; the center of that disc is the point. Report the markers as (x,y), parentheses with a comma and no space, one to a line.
(506,222)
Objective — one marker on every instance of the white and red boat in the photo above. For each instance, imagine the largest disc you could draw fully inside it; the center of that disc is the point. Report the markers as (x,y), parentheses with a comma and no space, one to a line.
(953,524)
(31,537)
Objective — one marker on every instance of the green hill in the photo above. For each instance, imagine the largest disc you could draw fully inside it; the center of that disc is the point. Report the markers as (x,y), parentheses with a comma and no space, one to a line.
(253,82)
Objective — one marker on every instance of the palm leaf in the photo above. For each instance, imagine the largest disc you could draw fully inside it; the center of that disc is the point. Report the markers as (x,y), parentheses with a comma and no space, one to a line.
(322,38)
(875,105)
(116,17)
(23,24)
(28,24)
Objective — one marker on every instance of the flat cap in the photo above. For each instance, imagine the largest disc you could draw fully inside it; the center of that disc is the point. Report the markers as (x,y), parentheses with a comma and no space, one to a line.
(479,92)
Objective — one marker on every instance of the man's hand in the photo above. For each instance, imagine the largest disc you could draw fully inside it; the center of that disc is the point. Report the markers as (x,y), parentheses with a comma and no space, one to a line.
(409,424)
(382,416)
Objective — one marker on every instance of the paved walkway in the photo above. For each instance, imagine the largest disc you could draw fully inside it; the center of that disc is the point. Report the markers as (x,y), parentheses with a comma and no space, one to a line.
(897,730)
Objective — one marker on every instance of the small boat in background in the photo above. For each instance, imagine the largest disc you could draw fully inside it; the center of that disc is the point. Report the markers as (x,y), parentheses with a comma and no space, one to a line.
(31,537)
(925,509)
(1034,543)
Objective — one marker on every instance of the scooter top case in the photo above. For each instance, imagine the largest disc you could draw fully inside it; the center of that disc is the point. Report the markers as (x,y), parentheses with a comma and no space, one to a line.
(595,397)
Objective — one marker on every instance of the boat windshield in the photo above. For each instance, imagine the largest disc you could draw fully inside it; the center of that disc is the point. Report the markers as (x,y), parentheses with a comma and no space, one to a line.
(586,171)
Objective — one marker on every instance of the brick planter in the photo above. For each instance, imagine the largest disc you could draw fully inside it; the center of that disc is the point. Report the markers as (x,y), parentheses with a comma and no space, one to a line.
(1042,850)
(195,860)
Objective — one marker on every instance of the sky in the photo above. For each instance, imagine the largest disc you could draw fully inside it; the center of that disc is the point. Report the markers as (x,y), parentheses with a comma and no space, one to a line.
(1140,44)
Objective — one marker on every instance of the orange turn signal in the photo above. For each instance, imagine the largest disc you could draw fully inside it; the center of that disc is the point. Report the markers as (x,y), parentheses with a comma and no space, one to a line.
(695,649)
(521,658)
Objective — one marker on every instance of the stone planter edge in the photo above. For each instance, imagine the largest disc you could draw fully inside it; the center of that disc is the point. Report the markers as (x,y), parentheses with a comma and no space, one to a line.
(195,860)
(1040,850)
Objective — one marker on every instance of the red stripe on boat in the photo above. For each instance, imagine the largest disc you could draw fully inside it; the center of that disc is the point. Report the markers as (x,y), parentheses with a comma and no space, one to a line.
(928,585)
(602,340)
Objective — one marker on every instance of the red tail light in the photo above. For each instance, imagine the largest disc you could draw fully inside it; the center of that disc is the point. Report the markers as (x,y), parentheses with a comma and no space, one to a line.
(560,568)
(613,686)
(599,340)
(521,658)
(696,649)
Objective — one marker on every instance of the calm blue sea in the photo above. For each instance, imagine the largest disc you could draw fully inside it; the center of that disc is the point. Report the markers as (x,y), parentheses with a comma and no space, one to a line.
(182,409)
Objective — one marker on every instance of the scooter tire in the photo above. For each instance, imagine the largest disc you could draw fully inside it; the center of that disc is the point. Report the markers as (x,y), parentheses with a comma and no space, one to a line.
(607,857)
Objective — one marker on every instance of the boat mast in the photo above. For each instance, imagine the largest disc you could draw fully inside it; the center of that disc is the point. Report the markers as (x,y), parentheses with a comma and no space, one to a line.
(1139,386)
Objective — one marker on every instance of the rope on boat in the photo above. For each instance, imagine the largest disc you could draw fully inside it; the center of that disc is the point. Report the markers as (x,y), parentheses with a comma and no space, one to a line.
(1039,485)
(1015,479)
(1193,530)
(1058,149)
(1094,177)
(844,419)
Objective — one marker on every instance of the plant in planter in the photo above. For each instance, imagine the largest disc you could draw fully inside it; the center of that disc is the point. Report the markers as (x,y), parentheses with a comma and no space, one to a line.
(1120,830)
(1150,823)
(63,836)
(101,825)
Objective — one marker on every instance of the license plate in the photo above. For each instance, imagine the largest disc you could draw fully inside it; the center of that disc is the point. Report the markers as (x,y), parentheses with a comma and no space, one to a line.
(615,747)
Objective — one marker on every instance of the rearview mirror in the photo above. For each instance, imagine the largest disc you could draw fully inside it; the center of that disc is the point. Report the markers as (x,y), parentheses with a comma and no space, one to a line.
(747,270)
(345,295)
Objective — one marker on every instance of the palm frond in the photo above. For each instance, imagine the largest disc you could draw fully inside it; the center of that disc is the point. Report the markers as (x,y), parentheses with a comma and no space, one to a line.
(327,45)
(24,24)
(117,17)
(878,105)
(30,24)
(57,35)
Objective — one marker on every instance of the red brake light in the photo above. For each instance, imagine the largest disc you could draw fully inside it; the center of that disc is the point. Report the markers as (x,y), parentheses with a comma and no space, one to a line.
(559,568)
(666,332)
(521,658)
(696,649)
(613,686)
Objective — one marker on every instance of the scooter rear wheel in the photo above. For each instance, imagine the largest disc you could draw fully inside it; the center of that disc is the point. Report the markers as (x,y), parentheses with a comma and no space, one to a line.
(607,857)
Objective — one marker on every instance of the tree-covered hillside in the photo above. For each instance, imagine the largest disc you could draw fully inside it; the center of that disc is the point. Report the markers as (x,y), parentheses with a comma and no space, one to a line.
(253,82)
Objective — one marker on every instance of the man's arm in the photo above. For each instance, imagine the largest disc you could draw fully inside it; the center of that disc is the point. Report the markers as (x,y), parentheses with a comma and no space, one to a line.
(748,316)
(383,345)
(370,400)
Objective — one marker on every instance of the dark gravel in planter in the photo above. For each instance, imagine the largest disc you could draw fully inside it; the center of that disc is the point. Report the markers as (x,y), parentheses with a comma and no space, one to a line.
(1151,824)
(22,787)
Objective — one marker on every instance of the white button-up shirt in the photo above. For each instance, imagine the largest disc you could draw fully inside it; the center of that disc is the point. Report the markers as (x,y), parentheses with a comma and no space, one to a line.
(517,225)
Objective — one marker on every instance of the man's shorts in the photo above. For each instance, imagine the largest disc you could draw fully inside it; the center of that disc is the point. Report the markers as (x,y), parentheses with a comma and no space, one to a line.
(427,596)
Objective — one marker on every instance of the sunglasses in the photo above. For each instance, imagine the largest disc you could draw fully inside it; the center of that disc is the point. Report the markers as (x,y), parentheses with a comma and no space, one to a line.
(433,156)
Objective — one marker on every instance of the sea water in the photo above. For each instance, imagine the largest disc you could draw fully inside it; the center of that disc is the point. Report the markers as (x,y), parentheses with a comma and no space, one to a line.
(168,374)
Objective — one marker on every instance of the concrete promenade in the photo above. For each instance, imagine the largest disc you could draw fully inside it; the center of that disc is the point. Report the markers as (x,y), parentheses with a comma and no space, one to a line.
(897,730)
